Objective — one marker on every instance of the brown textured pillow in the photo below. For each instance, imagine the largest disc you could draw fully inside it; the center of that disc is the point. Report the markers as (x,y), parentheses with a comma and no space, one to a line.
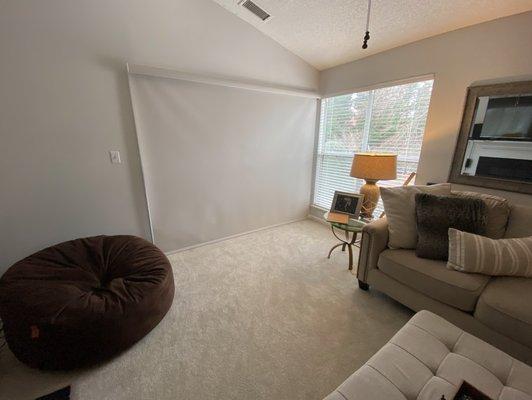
(436,214)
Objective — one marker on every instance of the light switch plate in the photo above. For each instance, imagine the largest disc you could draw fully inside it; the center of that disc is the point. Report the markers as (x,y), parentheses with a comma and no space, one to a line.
(115,157)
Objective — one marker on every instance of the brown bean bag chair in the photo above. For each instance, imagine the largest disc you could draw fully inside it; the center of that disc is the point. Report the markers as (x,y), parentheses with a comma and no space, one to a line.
(80,302)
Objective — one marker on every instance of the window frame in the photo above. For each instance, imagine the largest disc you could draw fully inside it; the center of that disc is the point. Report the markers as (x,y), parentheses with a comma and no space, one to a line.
(359,89)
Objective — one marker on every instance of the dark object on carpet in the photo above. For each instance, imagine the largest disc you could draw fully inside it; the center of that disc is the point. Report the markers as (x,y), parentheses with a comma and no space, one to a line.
(436,214)
(62,394)
(83,301)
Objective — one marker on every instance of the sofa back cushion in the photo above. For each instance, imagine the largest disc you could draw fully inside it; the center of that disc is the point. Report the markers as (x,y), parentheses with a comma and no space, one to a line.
(400,207)
(519,222)
(497,212)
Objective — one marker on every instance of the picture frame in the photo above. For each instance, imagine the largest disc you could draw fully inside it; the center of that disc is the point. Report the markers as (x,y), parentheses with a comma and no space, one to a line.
(347,203)
(493,150)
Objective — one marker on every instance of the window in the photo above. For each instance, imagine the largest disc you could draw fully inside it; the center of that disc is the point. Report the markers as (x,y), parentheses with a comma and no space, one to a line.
(388,120)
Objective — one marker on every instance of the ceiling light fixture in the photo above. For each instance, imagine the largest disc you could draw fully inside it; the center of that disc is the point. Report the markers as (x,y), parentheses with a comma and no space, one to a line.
(366,36)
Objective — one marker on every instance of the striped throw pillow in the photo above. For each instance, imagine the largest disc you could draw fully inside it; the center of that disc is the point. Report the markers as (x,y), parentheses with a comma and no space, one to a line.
(481,255)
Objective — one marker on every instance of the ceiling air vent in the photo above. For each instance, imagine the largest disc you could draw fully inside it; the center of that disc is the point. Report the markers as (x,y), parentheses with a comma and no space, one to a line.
(255,9)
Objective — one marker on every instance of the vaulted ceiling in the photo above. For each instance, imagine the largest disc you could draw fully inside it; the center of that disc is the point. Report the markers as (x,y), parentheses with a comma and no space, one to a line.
(326,33)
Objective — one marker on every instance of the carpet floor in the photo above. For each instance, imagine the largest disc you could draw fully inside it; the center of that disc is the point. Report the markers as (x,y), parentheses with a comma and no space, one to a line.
(260,316)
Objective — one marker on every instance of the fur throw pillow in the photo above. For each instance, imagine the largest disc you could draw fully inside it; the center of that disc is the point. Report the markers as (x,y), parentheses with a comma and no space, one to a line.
(436,214)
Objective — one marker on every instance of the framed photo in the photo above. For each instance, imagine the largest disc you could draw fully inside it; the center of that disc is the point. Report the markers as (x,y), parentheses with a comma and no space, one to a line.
(347,203)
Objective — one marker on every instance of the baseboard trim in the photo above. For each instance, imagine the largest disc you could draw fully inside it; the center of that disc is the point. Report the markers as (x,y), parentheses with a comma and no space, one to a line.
(317,219)
(171,252)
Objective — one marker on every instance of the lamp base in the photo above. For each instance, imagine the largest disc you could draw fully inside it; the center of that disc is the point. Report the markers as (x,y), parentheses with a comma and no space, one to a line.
(371,193)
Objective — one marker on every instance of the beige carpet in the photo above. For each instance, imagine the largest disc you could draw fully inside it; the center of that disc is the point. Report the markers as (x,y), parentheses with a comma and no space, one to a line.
(261,316)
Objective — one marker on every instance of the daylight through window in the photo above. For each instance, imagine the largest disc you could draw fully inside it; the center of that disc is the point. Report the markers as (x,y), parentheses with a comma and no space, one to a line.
(387,120)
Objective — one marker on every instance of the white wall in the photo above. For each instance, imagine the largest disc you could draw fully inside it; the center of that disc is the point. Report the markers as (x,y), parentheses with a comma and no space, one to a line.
(495,51)
(64,103)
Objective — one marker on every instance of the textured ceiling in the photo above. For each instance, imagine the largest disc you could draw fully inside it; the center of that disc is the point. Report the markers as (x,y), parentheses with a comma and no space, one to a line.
(326,33)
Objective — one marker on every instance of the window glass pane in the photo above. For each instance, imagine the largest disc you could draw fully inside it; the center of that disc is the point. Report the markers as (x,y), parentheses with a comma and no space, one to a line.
(387,120)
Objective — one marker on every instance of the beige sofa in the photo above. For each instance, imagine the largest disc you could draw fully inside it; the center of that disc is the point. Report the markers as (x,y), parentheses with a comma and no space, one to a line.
(495,309)
(429,357)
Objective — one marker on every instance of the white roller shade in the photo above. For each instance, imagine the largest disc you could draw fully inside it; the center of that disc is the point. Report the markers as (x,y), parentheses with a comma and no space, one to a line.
(218,160)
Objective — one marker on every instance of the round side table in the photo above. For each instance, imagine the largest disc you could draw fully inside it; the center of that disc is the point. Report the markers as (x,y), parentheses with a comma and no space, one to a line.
(351,231)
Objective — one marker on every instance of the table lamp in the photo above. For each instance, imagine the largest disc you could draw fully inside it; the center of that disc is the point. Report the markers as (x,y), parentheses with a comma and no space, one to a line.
(373,167)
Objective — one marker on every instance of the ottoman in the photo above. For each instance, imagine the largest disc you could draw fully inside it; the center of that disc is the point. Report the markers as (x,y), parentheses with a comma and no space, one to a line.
(429,357)
(82,301)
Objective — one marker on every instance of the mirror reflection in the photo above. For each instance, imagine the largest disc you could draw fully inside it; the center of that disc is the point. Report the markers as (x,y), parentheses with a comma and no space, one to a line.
(500,138)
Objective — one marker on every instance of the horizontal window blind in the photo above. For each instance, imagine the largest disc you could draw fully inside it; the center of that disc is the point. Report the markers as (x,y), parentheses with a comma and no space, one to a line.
(387,120)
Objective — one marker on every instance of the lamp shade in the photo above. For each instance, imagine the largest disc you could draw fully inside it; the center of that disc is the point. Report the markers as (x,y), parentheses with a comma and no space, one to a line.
(374,166)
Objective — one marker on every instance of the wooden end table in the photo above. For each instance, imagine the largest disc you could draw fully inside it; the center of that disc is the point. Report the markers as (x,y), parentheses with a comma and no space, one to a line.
(351,231)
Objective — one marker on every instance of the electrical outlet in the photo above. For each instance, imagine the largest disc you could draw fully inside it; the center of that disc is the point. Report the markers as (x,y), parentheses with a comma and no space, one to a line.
(115,157)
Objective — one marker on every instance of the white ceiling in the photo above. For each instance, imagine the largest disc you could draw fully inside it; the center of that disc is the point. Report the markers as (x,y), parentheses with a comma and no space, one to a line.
(326,33)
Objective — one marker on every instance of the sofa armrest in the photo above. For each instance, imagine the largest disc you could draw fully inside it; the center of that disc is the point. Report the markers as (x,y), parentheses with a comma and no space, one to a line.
(374,241)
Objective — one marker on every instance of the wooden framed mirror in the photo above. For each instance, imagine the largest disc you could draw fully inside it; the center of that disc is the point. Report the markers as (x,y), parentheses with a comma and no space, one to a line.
(494,148)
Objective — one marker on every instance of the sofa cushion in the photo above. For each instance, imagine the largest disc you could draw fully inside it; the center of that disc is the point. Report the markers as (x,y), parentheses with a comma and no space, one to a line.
(478,254)
(504,306)
(429,357)
(520,222)
(432,278)
(436,214)
(497,209)
(400,207)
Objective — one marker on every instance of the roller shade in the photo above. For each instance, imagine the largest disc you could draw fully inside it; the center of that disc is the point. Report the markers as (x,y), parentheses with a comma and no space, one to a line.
(219,160)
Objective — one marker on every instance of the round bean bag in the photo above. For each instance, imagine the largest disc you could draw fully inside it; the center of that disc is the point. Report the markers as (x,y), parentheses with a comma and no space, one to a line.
(82,301)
